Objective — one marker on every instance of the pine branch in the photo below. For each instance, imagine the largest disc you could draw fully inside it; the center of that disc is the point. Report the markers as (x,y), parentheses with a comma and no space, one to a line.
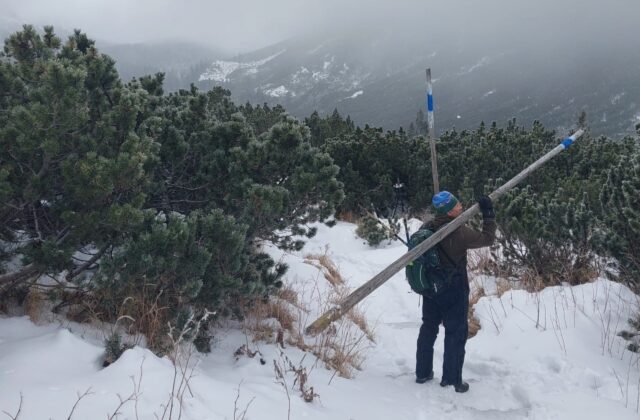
(88,263)
(24,274)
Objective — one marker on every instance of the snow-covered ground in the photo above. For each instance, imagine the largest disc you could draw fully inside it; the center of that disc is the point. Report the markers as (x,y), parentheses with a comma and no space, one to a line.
(552,355)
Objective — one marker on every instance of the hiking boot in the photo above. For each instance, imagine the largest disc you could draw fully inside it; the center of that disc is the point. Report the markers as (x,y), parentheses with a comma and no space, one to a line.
(461,387)
(425,379)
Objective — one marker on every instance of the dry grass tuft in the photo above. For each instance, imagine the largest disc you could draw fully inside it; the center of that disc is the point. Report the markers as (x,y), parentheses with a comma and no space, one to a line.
(358,318)
(259,321)
(348,216)
(340,347)
(34,305)
(328,268)
(281,312)
(339,355)
(474,323)
(141,315)
(480,262)
(580,275)
(262,331)
(287,294)
(532,282)
(267,320)
(355,315)
(502,286)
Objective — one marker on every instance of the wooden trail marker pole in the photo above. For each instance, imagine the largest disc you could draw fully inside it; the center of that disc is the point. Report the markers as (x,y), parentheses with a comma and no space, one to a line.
(432,134)
(363,291)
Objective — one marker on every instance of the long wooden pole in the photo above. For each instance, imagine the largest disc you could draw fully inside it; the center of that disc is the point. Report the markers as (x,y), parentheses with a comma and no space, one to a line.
(363,291)
(432,134)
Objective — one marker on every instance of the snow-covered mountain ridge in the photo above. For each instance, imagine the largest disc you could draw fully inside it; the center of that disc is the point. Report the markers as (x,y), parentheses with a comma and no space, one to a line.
(471,83)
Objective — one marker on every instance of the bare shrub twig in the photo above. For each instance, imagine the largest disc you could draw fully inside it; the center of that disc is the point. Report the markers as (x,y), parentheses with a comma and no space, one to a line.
(15,416)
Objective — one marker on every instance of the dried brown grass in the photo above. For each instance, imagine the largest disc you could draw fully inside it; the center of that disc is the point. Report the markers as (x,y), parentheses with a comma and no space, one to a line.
(348,216)
(483,262)
(287,294)
(502,286)
(324,263)
(147,317)
(341,355)
(278,310)
(355,314)
(474,322)
(340,347)
(532,282)
(583,274)
(283,308)
(359,320)
(141,314)
(35,305)
(261,331)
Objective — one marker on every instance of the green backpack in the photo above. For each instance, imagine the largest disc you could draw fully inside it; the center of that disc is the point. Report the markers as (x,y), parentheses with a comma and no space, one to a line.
(425,274)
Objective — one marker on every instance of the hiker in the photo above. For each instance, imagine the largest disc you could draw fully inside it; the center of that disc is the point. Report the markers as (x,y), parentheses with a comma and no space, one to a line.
(450,304)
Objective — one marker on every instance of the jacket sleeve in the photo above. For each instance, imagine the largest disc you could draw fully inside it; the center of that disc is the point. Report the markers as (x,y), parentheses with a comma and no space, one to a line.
(471,238)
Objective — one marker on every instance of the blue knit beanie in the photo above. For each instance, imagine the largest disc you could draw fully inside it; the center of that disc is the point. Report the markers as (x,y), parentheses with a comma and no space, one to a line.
(444,202)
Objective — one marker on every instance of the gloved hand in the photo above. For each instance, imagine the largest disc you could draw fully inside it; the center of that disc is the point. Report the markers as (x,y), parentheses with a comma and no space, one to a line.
(486,207)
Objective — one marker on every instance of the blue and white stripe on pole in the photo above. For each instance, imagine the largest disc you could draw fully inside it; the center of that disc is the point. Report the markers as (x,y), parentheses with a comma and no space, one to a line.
(432,134)
(430,102)
(569,140)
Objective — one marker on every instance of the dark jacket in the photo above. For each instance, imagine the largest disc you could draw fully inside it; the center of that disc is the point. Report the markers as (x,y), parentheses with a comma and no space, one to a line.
(456,244)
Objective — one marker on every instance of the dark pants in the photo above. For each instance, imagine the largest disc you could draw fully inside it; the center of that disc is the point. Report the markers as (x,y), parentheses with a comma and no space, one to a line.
(450,307)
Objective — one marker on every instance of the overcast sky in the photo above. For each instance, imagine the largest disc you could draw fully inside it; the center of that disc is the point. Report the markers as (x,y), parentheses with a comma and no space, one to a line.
(243,25)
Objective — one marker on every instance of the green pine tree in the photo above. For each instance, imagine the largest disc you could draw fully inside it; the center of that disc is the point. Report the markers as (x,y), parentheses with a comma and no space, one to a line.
(74,161)
(620,199)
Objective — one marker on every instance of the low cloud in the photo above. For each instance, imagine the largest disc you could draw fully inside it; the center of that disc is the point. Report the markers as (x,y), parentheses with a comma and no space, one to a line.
(244,25)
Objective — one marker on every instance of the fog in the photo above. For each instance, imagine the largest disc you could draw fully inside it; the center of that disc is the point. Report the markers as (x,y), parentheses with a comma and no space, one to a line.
(243,25)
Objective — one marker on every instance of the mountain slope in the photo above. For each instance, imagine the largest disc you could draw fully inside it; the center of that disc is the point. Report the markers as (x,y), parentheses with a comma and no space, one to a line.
(181,62)
(378,79)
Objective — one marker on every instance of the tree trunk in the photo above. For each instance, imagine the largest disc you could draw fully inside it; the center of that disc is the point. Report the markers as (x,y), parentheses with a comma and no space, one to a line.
(25,273)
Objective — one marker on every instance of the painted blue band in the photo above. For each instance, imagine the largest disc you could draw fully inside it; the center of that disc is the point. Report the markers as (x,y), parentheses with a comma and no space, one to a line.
(567,142)
(430,103)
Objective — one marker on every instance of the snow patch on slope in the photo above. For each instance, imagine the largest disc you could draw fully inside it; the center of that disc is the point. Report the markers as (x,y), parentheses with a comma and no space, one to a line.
(220,70)
(482,62)
(316,49)
(277,92)
(333,75)
(616,98)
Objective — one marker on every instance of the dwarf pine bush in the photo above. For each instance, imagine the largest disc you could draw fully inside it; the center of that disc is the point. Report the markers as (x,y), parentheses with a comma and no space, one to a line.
(370,230)
(166,198)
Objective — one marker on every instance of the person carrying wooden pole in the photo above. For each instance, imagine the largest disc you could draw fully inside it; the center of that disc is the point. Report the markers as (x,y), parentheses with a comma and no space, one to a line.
(363,291)
(441,278)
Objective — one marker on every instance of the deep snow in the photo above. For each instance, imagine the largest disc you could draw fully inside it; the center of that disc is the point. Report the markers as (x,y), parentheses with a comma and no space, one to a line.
(551,355)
